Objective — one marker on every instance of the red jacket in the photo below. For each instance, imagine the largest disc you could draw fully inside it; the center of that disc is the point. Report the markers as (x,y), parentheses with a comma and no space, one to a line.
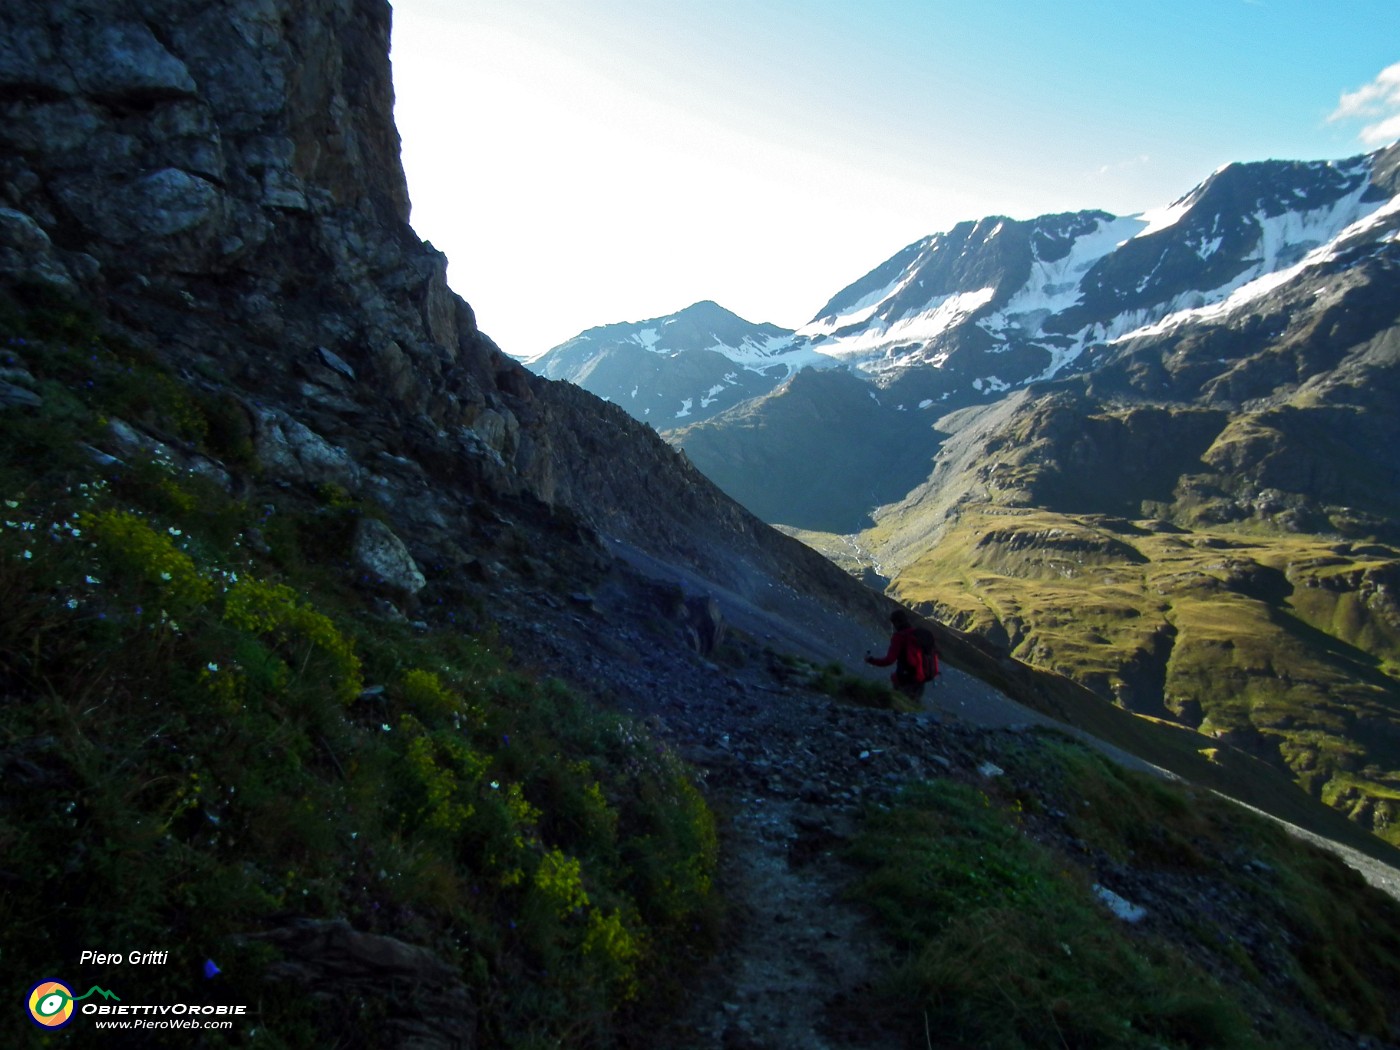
(904,650)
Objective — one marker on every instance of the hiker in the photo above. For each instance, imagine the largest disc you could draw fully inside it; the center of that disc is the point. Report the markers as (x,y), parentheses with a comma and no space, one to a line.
(913,653)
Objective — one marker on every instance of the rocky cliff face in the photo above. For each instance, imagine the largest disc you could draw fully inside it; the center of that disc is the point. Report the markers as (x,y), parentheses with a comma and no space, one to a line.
(223,179)
(218,184)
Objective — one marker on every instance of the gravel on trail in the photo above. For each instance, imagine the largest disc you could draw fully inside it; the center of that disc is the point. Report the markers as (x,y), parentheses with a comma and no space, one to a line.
(789,771)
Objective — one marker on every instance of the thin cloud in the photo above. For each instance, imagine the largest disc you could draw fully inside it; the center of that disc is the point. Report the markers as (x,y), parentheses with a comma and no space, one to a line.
(1378,103)
(1141,160)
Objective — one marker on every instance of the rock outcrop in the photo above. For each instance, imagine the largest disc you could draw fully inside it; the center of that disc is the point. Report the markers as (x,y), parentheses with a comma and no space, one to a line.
(224,178)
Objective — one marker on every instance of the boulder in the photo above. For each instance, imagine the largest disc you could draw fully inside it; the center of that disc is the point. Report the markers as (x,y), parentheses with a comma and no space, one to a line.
(290,449)
(378,551)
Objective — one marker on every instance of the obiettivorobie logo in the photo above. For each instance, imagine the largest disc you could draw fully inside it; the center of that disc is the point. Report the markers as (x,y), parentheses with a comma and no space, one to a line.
(51,1002)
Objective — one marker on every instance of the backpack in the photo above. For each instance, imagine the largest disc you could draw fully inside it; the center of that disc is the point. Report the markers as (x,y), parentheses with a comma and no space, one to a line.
(924,655)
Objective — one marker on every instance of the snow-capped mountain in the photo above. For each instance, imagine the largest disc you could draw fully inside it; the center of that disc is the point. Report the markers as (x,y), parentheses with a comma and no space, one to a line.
(1184,305)
(997,304)
(992,306)
(674,369)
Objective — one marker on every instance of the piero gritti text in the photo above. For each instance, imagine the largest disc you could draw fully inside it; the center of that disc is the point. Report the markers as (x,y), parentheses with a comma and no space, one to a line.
(117,958)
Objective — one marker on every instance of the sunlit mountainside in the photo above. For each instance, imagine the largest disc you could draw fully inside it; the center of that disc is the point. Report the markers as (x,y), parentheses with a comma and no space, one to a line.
(995,304)
(1149,452)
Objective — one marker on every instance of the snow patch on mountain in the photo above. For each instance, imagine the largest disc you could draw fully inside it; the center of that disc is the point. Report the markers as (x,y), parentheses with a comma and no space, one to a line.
(752,352)
(1287,243)
(1245,290)
(942,313)
(1283,238)
(1155,220)
(1055,286)
(860,311)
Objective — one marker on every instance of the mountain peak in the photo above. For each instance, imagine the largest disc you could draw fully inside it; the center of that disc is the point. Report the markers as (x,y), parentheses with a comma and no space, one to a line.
(706,308)
(681,367)
(995,304)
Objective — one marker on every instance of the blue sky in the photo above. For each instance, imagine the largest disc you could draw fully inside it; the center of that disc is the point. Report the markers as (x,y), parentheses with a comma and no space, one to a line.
(588,161)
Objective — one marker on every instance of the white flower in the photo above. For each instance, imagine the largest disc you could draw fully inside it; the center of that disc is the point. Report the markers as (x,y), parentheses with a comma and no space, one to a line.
(93,580)
(28,555)
(165,576)
(173,531)
(12,504)
(213,666)
(72,603)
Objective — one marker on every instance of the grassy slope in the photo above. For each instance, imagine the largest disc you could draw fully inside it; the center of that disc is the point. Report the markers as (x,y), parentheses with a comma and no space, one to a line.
(1002,939)
(200,719)
(1157,557)
(1251,639)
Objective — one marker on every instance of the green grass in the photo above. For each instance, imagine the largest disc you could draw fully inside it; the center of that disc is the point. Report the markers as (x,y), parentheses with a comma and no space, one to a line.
(1283,645)
(198,758)
(1001,941)
(835,681)
(1003,946)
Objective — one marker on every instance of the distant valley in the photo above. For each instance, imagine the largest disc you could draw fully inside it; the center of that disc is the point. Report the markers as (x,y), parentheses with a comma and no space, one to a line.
(1149,452)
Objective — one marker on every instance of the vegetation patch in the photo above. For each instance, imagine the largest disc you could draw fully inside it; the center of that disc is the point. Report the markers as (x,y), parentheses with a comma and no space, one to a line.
(835,681)
(215,732)
(1003,945)
(1283,645)
(990,894)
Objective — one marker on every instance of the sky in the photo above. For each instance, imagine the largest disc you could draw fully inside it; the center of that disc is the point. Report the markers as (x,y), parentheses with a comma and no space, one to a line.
(583,162)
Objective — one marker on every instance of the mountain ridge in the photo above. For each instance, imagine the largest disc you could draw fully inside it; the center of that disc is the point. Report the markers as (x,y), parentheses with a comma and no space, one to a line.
(687,365)
(1026,297)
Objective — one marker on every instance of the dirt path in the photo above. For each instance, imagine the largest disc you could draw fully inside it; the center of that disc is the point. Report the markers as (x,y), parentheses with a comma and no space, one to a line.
(790,771)
(800,954)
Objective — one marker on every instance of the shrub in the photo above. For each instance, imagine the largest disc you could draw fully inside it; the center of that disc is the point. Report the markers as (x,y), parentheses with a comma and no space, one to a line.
(426,696)
(146,556)
(275,610)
